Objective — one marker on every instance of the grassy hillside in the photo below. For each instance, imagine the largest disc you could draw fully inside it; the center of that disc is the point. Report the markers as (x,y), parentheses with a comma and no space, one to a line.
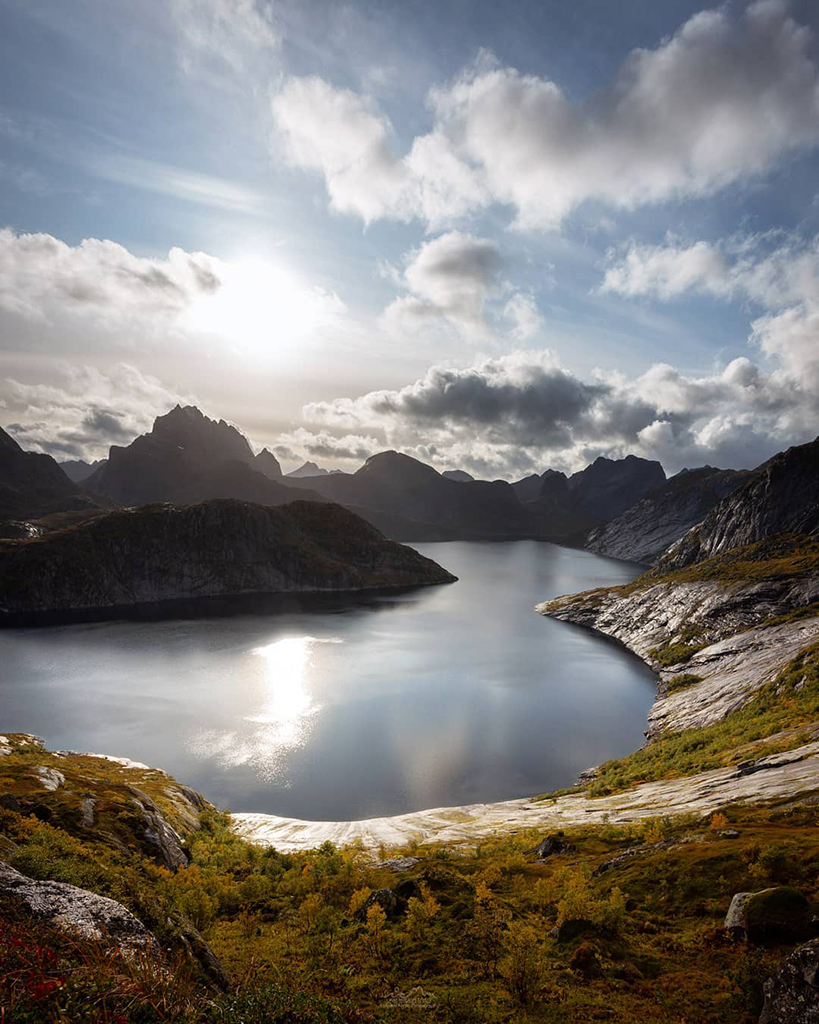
(470,937)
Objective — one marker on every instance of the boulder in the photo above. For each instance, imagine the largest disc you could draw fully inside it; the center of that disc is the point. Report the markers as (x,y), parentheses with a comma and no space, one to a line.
(792,993)
(76,911)
(161,837)
(552,844)
(779,913)
(586,961)
(391,904)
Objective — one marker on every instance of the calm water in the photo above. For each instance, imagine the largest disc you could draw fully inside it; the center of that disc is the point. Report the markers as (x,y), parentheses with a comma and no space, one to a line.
(447,695)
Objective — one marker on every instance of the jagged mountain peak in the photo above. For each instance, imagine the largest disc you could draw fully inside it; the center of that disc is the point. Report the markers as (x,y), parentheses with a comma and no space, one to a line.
(8,443)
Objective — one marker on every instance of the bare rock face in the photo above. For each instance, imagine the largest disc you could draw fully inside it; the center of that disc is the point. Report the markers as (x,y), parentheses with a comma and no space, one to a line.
(216,549)
(159,833)
(76,911)
(782,496)
(792,994)
(644,531)
(735,654)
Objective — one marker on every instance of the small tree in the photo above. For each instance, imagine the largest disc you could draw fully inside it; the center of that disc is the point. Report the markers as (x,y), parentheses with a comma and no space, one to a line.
(522,966)
(488,928)
(374,934)
(358,899)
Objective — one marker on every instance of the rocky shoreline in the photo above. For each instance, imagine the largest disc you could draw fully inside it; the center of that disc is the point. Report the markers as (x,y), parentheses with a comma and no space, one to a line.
(737,650)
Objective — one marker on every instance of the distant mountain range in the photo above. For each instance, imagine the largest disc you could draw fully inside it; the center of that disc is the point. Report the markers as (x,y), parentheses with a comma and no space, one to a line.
(624,508)
(309,469)
(77,470)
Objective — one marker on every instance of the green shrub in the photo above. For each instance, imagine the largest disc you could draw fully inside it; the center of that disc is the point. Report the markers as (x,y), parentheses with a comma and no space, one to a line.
(682,681)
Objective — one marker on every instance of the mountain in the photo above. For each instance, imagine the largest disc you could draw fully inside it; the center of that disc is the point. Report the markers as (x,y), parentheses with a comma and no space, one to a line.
(647,528)
(182,447)
(458,474)
(781,496)
(308,469)
(267,463)
(564,507)
(528,489)
(234,479)
(157,553)
(394,483)
(33,485)
(609,486)
(77,470)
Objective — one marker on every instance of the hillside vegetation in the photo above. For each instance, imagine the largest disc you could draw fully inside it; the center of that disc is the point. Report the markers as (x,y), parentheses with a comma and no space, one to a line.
(620,923)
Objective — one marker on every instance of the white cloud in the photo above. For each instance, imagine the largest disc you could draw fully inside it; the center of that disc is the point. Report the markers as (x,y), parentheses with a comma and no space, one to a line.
(39,273)
(302,445)
(523,410)
(224,30)
(86,410)
(522,310)
(721,100)
(343,136)
(451,277)
(177,182)
(254,307)
(778,272)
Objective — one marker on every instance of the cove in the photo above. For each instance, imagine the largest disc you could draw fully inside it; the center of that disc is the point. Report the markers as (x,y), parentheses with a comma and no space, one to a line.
(350,707)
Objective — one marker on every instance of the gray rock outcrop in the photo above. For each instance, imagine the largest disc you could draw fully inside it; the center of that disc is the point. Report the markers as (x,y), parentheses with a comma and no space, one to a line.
(738,654)
(792,993)
(75,911)
(782,496)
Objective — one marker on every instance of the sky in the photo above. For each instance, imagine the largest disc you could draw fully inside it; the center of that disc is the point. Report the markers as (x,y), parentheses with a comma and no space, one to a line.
(498,237)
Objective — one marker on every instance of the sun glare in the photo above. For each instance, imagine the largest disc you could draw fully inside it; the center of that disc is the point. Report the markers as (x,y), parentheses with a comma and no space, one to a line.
(282,722)
(260,307)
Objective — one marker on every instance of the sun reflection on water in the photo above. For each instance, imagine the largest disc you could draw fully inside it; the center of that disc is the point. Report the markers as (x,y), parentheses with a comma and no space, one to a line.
(282,723)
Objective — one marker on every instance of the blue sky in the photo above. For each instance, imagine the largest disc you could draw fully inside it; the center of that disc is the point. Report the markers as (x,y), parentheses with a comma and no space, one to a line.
(500,237)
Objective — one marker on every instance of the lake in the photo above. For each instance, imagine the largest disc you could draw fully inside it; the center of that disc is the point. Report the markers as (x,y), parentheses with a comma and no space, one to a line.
(350,707)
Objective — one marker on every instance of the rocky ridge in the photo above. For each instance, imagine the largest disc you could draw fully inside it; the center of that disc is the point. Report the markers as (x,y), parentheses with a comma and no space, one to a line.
(721,628)
(794,775)
(782,495)
(162,553)
(644,530)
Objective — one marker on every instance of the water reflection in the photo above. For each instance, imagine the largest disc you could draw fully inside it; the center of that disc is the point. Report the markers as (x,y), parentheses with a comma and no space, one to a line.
(318,708)
(282,724)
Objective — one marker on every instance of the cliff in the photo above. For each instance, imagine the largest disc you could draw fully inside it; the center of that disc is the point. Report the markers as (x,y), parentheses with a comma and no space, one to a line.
(781,496)
(161,553)
(715,632)
(644,531)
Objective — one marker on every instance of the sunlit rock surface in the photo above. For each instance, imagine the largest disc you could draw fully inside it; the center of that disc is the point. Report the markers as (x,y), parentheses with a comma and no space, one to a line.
(75,911)
(742,657)
(794,774)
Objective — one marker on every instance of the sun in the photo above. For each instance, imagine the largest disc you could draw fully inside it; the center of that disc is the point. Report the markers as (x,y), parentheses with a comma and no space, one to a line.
(260,307)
